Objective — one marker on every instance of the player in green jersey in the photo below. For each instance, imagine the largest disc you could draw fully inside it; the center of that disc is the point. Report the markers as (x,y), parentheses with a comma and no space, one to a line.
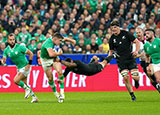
(16,53)
(152,49)
(48,54)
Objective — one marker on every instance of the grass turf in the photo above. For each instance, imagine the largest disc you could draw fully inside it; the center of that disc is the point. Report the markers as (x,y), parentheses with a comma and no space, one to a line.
(82,103)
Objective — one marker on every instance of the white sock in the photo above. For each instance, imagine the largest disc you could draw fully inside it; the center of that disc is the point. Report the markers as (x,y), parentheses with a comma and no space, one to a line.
(61,91)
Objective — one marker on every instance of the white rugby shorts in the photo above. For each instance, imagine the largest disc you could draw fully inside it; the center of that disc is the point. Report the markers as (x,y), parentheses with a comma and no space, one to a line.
(156,67)
(22,70)
(46,63)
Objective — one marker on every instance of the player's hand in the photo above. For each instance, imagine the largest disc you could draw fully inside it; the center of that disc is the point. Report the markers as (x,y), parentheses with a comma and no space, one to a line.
(135,53)
(60,52)
(137,56)
(27,67)
(65,39)
(57,60)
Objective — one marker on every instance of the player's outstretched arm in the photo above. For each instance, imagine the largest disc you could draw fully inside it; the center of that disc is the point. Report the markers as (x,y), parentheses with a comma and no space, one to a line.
(68,64)
(69,40)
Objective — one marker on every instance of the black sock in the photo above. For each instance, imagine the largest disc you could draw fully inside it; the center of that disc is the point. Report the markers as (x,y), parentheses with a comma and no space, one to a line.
(153,77)
(92,60)
(154,84)
(109,58)
(132,94)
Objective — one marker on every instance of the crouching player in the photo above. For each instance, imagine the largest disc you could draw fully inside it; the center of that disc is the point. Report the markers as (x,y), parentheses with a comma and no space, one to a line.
(16,53)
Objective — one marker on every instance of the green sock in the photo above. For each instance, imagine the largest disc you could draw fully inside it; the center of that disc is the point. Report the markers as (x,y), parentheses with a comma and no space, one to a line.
(52,85)
(21,84)
(32,93)
(62,84)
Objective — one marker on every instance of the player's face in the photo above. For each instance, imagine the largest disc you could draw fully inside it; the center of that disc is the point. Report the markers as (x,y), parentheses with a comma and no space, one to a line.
(11,41)
(139,34)
(58,41)
(149,35)
(115,30)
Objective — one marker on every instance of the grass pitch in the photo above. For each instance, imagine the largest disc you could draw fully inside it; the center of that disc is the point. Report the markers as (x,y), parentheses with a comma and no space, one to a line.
(82,103)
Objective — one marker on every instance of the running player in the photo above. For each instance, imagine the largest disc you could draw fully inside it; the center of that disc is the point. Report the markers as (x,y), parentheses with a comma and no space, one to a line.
(47,55)
(121,42)
(141,55)
(152,49)
(17,53)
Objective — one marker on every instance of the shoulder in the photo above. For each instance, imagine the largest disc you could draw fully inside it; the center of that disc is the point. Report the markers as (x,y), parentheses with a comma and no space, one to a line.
(157,39)
(20,45)
(6,48)
(112,37)
(146,44)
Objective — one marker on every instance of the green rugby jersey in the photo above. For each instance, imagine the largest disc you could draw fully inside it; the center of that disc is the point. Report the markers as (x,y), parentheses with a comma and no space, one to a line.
(153,49)
(47,44)
(17,55)
(24,38)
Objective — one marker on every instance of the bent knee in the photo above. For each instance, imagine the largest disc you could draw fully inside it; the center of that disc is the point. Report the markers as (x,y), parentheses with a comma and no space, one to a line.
(59,72)
(135,75)
(50,79)
(125,74)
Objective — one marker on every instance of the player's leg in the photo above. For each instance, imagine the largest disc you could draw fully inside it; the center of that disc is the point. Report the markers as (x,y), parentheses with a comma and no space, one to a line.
(34,97)
(94,59)
(18,80)
(58,67)
(128,85)
(46,64)
(156,69)
(24,79)
(132,66)
(135,76)
(148,69)
(49,74)
(109,58)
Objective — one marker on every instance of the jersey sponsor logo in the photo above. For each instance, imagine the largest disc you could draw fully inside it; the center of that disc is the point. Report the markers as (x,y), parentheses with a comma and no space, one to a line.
(154,46)
(123,37)
(114,40)
(120,42)
(16,52)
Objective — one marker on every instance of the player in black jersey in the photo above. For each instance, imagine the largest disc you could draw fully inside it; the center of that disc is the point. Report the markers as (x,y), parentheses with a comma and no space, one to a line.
(121,42)
(90,69)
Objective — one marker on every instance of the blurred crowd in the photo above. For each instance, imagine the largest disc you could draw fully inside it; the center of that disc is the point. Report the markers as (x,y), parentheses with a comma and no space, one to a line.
(86,21)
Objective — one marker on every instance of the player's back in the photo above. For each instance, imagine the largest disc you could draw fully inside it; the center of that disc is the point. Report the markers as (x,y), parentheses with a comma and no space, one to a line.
(85,69)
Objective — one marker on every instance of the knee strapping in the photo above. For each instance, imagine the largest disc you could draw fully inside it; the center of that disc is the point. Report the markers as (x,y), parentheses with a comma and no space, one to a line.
(124,73)
(134,73)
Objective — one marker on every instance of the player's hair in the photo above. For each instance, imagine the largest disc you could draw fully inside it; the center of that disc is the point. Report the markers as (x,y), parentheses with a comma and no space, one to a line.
(139,28)
(149,29)
(58,35)
(11,34)
(115,23)
(68,59)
